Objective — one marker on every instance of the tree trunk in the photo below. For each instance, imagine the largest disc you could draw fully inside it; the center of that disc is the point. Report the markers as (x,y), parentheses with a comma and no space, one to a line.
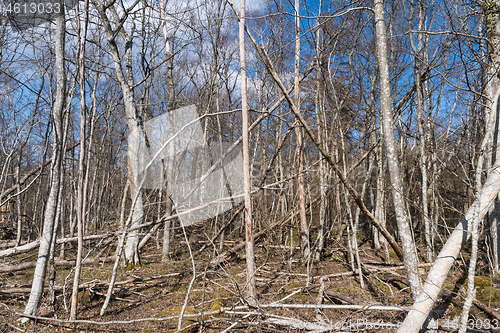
(250,257)
(445,259)
(403,220)
(171,106)
(418,67)
(304,228)
(490,145)
(166,231)
(55,175)
(81,191)
(319,108)
(131,255)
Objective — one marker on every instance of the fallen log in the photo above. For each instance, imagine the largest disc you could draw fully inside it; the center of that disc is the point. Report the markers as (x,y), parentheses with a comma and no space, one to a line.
(26,288)
(33,245)
(427,298)
(487,309)
(340,297)
(5,244)
(449,297)
(58,263)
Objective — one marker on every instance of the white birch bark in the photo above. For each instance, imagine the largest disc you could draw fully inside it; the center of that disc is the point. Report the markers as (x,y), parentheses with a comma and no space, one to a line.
(81,191)
(403,220)
(319,107)
(445,259)
(131,254)
(381,196)
(55,174)
(171,104)
(304,228)
(489,142)
(250,257)
(490,146)
(471,289)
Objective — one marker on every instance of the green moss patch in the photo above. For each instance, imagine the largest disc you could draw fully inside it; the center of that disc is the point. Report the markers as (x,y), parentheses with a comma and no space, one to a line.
(486,292)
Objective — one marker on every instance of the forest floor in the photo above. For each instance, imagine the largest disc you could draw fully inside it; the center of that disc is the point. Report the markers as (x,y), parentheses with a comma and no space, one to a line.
(157,290)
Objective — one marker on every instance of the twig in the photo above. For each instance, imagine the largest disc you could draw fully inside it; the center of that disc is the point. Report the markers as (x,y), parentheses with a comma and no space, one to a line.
(233,325)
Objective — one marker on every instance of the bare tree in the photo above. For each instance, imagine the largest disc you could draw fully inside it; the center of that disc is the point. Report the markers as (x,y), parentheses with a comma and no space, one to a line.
(489,147)
(249,248)
(304,228)
(403,220)
(419,67)
(126,81)
(55,172)
(321,123)
(171,105)
(81,189)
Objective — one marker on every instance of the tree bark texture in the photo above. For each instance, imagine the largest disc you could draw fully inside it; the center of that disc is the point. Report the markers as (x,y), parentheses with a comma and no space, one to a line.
(133,121)
(402,217)
(55,172)
(249,248)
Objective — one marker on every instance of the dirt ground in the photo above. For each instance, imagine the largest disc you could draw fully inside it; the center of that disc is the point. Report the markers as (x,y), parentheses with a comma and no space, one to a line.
(153,294)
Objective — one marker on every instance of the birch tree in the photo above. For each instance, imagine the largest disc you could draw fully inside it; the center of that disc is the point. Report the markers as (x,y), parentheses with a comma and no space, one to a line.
(402,217)
(250,257)
(319,109)
(171,105)
(489,146)
(304,228)
(419,65)
(81,190)
(126,81)
(489,142)
(55,171)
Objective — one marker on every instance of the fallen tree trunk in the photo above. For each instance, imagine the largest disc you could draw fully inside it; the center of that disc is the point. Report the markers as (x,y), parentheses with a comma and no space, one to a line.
(5,244)
(449,297)
(58,263)
(340,297)
(495,314)
(33,245)
(442,265)
(26,288)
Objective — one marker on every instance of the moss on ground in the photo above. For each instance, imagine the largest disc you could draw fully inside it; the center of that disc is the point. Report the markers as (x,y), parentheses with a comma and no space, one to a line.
(486,292)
